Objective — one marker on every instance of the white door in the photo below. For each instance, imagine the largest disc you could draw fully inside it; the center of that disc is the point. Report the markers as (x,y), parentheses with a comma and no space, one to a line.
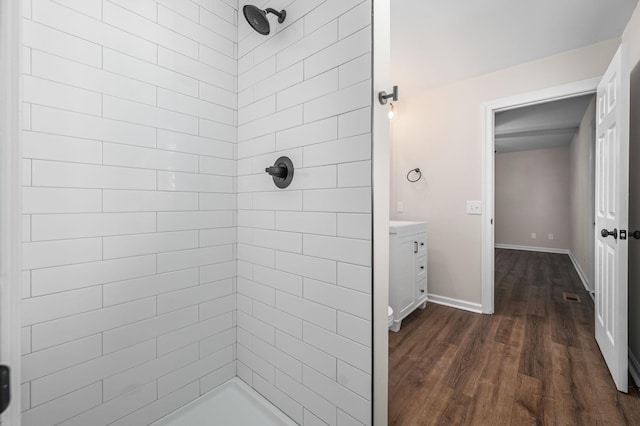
(612,202)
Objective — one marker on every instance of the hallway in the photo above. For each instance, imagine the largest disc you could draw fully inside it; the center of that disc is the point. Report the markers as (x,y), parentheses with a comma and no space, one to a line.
(534,362)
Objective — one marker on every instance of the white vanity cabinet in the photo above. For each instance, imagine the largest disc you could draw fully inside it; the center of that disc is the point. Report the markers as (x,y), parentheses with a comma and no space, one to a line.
(407,268)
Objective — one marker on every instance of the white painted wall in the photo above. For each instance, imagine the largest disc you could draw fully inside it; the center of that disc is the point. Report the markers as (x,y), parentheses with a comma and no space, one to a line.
(634,218)
(10,190)
(631,36)
(581,193)
(440,131)
(128,208)
(532,195)
(304,253)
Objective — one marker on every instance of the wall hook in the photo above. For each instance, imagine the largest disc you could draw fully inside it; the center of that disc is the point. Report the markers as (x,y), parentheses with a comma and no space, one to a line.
(383,96)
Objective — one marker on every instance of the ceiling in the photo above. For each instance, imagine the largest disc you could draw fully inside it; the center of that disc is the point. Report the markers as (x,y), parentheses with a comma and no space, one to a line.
(435,42)
(546,125)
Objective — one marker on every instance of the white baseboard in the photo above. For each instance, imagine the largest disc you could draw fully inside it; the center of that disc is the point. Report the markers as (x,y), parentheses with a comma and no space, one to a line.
(634,368)
(455,303)
(532,248)
(581,274)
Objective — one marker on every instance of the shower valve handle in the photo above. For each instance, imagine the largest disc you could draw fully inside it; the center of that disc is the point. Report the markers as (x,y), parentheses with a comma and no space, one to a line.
(281,172)
(277,171)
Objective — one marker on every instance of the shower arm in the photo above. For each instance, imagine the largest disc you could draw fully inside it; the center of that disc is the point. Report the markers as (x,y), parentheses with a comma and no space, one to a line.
(280,15)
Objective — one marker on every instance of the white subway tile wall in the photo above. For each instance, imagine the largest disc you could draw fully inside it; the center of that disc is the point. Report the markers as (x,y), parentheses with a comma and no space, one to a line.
(129,207)
(304,253)
(159,258)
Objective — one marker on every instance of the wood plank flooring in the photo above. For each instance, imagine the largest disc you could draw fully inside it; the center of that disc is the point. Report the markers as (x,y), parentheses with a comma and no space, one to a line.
(534,362)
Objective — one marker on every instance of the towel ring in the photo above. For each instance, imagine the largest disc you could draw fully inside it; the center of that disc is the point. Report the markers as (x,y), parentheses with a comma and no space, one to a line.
(416,170)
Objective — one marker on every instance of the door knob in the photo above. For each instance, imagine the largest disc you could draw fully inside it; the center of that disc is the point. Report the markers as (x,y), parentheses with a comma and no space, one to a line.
(605,233)
(635,234)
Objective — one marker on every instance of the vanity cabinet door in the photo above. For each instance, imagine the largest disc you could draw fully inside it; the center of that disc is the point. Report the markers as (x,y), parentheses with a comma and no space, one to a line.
(403,277)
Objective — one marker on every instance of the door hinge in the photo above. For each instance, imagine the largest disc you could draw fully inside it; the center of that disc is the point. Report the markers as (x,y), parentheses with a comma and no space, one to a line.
(5,387)
(623,234)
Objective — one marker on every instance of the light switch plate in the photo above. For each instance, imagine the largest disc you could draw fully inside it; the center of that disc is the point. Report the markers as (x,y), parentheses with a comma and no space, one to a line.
(474,207)
(400,208)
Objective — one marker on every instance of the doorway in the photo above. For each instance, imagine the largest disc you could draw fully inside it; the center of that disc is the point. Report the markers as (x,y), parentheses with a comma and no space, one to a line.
(611,206)
(574,90)
(544,174)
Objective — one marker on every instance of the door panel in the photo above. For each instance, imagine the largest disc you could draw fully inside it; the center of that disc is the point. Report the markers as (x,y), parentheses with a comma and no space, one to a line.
(612,196)
(404,288)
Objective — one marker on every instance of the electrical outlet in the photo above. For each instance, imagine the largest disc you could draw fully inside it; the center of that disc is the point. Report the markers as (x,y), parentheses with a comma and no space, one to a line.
(474,207)
(550,236)
(400,207)
(533,236)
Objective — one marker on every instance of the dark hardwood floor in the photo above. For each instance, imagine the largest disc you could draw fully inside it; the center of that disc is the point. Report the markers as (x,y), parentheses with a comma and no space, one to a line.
(534,362)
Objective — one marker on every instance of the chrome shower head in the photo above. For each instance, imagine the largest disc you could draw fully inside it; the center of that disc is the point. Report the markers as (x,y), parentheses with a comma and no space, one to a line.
(257,18)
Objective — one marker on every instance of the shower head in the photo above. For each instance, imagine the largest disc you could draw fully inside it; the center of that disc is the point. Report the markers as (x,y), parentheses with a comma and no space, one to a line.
(257,18)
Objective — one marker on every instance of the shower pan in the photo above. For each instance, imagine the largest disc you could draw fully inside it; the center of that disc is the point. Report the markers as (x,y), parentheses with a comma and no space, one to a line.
(234,403)
(161,266)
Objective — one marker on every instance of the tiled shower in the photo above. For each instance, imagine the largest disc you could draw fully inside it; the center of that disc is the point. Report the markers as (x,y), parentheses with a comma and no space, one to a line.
(159,258)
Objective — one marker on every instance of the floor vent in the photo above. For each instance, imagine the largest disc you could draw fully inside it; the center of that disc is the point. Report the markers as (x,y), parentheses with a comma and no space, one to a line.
(571,297)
